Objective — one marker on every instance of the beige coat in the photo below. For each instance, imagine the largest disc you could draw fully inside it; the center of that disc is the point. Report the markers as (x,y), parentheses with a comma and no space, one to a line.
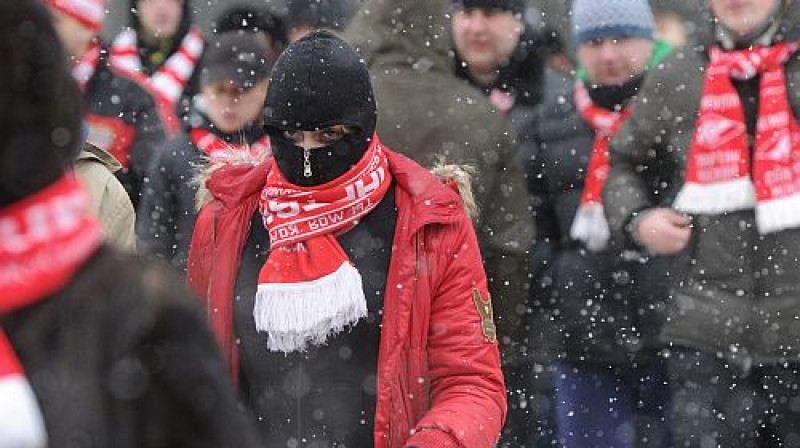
(95,168)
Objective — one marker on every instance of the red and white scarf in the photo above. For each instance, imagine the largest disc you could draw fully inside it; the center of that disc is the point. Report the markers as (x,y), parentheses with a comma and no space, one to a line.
(590,224)
(85,67)
(44,240)
(170,80)
(308,288)
(218,150)
(719,177)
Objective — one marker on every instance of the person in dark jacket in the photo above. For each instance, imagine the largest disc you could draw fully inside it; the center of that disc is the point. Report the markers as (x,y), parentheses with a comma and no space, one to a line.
(225,125)
(440,122)
(705,173)
(122,116)
(97,347)
(305,16)
(498,52)
(267,25)
(609,378)
(504,55)
(354,306)
(162,49)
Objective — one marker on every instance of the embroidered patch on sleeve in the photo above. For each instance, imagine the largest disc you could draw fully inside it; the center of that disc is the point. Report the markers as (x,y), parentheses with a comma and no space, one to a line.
(486,313)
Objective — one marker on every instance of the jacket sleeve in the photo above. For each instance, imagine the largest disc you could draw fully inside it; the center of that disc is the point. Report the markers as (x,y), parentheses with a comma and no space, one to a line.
(506,231)
(155,226)
(468,399)
(638,157)
(150,134)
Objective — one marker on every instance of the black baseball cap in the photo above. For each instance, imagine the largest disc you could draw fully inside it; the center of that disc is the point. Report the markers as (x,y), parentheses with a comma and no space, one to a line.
(513,6)
(238,56)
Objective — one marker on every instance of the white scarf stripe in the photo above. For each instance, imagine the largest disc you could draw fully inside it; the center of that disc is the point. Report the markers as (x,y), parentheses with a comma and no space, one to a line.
(180,65)
(167,86)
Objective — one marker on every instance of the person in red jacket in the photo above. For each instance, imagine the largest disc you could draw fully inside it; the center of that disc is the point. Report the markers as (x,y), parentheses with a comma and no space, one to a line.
(344,281)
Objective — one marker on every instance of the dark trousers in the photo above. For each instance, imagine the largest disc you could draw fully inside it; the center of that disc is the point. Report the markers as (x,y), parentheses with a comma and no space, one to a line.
(717,404)
(601,406)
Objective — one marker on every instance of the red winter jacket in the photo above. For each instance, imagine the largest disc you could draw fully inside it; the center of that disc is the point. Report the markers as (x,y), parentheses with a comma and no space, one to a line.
(439,377)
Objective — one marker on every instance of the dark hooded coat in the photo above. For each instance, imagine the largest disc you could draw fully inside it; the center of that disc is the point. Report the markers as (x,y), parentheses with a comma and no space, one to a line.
(426,113)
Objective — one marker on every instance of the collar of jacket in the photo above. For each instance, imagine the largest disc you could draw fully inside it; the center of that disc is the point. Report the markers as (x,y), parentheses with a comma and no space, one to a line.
(92,152)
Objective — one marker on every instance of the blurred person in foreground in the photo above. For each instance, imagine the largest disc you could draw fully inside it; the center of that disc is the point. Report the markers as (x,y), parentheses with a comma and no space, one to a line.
(122,116)
(706,172)
(305,16)
(427,114)
(224,125)
(604,300)
(343,280)
(96,346)
(267,26)
(162,49)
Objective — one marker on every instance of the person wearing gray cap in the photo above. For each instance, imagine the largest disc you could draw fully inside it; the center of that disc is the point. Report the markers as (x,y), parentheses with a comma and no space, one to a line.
(609,378)
(707,174)
(223,125)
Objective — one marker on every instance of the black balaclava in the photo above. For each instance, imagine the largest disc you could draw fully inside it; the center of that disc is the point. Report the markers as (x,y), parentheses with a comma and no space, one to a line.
(319,81)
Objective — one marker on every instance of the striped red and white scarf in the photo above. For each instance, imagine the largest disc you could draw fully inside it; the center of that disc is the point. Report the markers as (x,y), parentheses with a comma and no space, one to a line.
(308,288)
(44,240)
(590,224)
(86,66)
(720,176)
(218,150)
(171,79)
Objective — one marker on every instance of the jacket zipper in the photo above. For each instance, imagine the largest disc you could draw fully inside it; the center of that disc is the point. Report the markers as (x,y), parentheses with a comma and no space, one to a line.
(416,279)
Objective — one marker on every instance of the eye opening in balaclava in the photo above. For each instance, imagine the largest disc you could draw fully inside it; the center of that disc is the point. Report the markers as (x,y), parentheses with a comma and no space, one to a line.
(318,82)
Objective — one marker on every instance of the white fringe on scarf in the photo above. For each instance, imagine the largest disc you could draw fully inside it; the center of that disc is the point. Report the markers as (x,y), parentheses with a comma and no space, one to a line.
(717,198)
(21,423)
(771,216)
(778,214)
(591,227)
(296,315)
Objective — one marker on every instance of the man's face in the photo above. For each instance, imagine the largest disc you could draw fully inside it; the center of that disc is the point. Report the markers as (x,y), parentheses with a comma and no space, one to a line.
(614,61)
(743,16)
(485,39)
(74,35)
(160,18)
(231,107)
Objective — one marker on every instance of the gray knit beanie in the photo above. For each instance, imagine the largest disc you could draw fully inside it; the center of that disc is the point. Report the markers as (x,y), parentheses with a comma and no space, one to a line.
(599,19)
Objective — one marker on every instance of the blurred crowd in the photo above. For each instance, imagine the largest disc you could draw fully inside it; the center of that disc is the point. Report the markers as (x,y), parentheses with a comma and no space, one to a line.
(400,223)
